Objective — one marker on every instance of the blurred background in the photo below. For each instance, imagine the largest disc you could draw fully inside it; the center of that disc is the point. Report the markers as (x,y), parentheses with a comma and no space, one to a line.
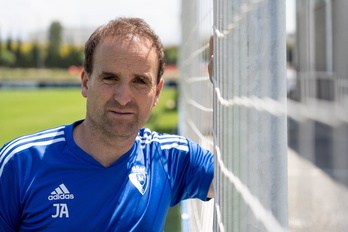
(317,116)
(41,55)
(41,58)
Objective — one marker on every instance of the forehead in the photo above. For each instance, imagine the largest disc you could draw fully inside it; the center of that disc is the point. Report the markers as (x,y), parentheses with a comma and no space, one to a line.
(120,50)
(126,45)
(135,54)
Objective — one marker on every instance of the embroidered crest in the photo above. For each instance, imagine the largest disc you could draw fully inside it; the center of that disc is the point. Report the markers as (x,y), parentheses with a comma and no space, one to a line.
(139,177)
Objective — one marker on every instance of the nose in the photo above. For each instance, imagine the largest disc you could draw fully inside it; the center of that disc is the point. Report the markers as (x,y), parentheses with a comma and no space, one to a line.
(123,93)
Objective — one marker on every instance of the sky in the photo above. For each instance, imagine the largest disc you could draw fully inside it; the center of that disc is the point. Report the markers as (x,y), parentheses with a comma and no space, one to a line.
(18,18)
(290,16)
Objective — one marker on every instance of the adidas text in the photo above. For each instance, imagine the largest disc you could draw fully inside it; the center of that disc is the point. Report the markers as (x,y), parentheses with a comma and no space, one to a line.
(65,196)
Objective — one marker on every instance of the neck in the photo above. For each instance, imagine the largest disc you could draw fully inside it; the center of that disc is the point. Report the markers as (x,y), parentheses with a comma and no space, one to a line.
(100,146)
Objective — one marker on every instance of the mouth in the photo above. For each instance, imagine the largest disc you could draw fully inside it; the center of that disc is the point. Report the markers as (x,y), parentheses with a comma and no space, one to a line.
(119,113)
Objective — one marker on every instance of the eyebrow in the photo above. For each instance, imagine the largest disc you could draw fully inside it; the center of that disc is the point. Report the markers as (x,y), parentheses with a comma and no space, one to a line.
(108,74)
(142,76)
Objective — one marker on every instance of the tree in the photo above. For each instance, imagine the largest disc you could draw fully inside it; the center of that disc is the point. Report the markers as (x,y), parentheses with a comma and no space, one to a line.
(171,54)
(7,58)
(7,55)
(37,57)
(54,44)
(20,59)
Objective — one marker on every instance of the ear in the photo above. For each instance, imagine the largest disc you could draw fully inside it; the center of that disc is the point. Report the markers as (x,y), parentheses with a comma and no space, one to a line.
(84,83)
(158,91)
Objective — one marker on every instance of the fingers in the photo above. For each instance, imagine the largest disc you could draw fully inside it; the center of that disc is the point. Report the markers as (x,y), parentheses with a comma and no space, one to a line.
(211,56)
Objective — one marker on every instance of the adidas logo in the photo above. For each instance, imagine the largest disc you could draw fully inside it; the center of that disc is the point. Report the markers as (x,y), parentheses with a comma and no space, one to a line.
(60,193)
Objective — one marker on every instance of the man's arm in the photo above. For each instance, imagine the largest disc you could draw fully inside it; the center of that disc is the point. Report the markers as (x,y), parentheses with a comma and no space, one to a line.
(210,70)
(211,191)
(9,198)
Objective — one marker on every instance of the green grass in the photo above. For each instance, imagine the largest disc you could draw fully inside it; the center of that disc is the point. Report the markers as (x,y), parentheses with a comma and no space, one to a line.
(164,116)
(27,111)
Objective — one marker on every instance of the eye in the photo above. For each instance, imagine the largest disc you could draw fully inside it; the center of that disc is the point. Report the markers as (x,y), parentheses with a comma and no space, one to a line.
(142,83)
(109,79)
(141,80)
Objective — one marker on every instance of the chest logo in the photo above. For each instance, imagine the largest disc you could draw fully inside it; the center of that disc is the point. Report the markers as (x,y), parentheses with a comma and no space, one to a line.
(61,193)
(139,178)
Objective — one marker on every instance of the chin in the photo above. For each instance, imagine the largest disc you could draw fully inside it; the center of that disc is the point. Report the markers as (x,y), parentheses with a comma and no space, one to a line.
(122,130)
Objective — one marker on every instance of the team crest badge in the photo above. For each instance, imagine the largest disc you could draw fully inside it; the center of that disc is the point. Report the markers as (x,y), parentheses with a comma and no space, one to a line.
(139,177)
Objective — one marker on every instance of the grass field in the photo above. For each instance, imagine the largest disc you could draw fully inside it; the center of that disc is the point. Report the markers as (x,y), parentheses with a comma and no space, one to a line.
(28,111)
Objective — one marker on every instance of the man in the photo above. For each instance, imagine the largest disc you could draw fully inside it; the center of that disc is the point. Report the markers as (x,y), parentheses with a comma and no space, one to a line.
(105,173)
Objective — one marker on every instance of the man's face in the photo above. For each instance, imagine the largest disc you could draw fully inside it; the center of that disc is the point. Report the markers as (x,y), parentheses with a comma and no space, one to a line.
(122,88)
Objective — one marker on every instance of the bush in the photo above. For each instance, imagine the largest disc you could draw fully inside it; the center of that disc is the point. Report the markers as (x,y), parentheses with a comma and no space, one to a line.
(7,58)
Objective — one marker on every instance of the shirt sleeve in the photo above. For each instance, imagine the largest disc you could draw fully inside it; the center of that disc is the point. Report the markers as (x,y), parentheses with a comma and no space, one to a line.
(191,173)
(201,172)
(10,212)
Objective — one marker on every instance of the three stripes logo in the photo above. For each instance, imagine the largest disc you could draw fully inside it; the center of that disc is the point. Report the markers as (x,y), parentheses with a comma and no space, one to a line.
(61,193)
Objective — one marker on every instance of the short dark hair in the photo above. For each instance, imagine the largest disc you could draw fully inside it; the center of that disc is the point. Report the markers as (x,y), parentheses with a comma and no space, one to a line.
(123,27)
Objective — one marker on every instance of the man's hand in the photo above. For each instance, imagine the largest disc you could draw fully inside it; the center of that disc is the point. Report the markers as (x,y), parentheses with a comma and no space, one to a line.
(211,56)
